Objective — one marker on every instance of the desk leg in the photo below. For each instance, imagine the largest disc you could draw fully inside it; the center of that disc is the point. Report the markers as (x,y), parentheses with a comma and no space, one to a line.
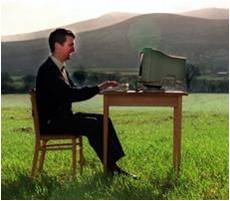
(177,135)
(105,133)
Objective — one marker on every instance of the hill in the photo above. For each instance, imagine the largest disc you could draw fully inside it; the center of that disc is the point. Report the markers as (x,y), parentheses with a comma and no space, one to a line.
(209,13)
(202,41)
(96,23)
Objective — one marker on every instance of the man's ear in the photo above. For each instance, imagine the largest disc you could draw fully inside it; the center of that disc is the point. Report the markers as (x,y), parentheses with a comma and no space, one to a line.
(57,45)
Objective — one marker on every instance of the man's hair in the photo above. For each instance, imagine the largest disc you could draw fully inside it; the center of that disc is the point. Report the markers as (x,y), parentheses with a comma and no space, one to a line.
(59,36)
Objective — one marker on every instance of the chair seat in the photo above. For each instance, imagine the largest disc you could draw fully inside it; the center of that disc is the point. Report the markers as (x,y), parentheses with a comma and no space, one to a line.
(57,136)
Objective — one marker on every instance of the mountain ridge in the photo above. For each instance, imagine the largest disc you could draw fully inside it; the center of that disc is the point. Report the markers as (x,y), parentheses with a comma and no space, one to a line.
(102,21)
(202,41)
(208,13)
(86,25)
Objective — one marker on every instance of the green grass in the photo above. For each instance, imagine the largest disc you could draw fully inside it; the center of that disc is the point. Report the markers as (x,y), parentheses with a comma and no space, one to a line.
(146,135)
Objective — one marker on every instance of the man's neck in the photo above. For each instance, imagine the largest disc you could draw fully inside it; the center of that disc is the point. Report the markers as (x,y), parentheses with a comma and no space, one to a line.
(58,58)
(58,63)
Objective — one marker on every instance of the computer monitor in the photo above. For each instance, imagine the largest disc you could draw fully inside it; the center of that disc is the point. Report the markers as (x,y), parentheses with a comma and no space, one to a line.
(161,71)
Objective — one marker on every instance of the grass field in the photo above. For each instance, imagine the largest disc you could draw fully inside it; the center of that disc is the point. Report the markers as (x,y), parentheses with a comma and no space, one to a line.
(146,135)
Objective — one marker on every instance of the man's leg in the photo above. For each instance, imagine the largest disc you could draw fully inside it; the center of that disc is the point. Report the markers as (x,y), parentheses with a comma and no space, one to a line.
(92,127)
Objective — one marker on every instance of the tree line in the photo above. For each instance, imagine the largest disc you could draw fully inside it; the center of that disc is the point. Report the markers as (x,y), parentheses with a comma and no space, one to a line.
(22,84)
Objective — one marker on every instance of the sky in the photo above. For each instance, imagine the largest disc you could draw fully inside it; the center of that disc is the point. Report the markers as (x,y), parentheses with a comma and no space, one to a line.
(22,16)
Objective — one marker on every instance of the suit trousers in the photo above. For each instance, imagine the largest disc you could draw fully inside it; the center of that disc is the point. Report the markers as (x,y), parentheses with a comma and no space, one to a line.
(91,126)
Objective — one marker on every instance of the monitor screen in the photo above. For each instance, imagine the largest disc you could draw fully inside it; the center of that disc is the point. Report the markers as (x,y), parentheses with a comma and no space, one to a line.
(158,70)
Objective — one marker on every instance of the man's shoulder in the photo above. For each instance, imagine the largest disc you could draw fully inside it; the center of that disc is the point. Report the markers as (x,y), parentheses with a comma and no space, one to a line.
(46,73)
(47,65)
(47,62)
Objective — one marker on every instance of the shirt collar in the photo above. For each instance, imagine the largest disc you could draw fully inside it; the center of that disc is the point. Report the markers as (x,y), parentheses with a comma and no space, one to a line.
(57,62)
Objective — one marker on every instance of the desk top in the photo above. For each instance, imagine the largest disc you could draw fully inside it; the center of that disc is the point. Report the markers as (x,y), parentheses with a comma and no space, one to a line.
(132,92)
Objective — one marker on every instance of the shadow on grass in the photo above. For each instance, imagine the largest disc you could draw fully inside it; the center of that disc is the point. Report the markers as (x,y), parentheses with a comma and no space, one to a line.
(100,187)
(95,186)
(25,187)
(165,185)
(154,188)
(84,187)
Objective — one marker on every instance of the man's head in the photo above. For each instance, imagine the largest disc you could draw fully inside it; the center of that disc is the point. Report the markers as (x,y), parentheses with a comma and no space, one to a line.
(61,42)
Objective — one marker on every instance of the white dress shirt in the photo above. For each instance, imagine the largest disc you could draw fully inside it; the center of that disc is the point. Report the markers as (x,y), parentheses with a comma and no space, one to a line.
(61,66)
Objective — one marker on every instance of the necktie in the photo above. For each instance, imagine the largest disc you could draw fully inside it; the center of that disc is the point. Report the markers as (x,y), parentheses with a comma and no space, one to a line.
(62,68)
(64,73)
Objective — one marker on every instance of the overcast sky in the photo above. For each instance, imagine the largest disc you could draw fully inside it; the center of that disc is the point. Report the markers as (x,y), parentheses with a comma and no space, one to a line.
(21,16)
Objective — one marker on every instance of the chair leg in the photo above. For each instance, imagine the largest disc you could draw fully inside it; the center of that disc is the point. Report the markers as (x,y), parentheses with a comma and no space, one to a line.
(43,154)
(82,159)
(35,158)
(74,156)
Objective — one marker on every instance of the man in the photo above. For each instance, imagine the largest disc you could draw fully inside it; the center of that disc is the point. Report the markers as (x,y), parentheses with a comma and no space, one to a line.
(55,94)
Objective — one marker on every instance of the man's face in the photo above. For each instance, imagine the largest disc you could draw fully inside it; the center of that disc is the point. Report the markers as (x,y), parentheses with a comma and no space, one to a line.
(66,48)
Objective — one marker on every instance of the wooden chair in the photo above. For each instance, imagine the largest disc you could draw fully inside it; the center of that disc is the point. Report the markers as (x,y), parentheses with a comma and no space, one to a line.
(42,145)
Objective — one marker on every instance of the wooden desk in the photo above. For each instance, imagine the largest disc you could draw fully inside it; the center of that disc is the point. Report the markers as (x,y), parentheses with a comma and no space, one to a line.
(132,98)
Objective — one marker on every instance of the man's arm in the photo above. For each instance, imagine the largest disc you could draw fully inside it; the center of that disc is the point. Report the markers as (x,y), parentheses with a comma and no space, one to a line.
(56,86)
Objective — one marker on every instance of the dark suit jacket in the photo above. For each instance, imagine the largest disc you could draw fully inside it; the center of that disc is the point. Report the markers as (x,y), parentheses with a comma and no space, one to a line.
(55,95)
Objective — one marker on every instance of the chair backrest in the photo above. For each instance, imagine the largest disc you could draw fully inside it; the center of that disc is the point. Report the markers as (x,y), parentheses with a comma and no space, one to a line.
(35,112)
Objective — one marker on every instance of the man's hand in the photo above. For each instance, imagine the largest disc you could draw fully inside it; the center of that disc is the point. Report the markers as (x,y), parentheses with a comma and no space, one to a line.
(107,84)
